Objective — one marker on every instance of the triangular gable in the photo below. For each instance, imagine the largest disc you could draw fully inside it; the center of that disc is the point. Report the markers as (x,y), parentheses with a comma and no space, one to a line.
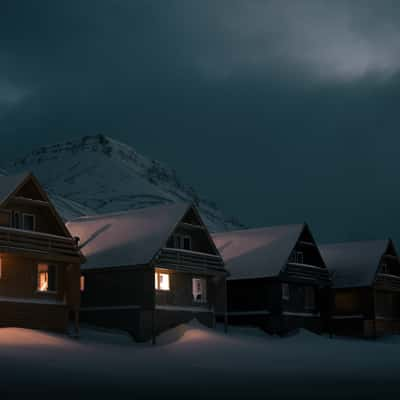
(307,236)
(192,218)
(26,183)
(389,262)
(9,184)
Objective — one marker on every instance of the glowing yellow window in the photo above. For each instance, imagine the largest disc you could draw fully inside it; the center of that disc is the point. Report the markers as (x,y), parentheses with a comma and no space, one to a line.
(82,283)
(161,281)
(46,281)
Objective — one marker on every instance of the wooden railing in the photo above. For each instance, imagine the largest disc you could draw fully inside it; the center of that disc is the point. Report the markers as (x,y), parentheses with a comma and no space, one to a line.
(20,240)
(388,282)
(309,272)
(189,259)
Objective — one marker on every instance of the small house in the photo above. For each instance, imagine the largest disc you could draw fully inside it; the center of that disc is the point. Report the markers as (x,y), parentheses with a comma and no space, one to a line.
(149,269)
(276,275)
(39,259)
(365,287)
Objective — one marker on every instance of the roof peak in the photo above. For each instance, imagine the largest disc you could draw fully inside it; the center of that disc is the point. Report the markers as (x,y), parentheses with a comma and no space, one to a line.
(129,212)
(260,229)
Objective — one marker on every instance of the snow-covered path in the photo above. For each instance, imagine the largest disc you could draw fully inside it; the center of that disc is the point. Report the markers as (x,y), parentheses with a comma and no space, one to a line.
(195,362)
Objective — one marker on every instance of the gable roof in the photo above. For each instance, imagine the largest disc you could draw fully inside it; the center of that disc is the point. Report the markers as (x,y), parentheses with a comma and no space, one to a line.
(126,238)
(10,184)
(257,253)
(354,264)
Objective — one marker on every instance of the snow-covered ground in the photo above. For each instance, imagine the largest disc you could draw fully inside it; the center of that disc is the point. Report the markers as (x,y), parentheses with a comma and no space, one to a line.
(195,362)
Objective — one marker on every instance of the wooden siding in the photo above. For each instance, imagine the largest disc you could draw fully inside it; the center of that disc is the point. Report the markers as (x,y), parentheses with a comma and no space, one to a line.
(180,293)
(34,316)
(306,273)
(190,261)
(56,247)
(119,287)
(45,221)
(23,305)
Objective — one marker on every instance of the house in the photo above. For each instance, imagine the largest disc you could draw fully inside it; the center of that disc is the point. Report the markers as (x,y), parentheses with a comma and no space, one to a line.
(276,276)
(149,269)
(39,259)
(366,287)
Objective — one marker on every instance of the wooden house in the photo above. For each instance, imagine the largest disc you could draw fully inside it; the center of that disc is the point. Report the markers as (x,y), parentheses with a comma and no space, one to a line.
(365,287)
(39,259)
(149,269)
(276,275)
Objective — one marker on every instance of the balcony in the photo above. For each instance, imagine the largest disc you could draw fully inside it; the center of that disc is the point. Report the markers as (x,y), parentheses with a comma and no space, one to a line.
(18,240)
(190,260)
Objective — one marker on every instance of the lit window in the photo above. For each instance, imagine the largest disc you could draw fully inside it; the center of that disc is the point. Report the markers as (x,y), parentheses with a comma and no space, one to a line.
(28,222)
(46,278)
(309,298)
(285,291)
(82,283)
(161,281)
(199,290)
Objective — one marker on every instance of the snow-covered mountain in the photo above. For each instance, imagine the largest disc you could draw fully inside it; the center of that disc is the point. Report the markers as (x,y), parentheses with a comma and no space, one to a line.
(97,174)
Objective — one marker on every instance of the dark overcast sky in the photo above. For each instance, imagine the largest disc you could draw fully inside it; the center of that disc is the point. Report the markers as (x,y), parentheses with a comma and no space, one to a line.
(281,111)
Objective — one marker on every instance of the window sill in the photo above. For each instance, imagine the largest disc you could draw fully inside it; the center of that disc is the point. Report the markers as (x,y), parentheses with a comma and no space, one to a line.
(46,292)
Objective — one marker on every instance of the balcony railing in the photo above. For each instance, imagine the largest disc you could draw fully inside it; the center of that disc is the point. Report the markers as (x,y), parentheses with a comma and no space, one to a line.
(21,240)
(190,259)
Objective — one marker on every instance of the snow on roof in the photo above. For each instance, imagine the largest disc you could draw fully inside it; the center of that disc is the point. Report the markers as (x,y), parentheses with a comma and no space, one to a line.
(9,183)
(257,253)
(354,264)
(126,238)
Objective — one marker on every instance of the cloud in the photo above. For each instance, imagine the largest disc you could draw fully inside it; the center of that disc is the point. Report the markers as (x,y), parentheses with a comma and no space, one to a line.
(324,40)
(10,94)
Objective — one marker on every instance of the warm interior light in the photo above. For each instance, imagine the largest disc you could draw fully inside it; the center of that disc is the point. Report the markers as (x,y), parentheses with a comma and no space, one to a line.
(82,283)
(161,281)
(43,277)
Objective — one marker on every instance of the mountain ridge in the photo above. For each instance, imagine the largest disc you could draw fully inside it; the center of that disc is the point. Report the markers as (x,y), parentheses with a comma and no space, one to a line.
(98,174)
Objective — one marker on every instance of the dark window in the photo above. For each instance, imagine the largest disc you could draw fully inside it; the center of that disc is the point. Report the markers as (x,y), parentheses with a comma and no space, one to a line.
(177,242)
(29,222)
(17,220)
(187,243)
(170,242)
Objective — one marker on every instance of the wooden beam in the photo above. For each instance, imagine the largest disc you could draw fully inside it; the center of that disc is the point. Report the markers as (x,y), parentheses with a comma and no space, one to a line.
(27,200)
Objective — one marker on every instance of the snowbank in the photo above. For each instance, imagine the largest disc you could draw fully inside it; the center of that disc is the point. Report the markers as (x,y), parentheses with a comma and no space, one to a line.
(194,361)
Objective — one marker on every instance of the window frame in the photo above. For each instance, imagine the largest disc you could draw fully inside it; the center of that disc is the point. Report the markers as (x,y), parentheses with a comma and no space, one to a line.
(285,291)
(187,237)
(307,303)
(53,291)
(203,282)
(33,219)
(14,215)
(157,280)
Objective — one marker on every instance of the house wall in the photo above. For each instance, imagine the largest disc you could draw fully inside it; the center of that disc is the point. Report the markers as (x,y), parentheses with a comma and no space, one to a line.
(200,241)
(119,287)
(20,302)
(180,293)
(125,299)
(44,218)
(259,302)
